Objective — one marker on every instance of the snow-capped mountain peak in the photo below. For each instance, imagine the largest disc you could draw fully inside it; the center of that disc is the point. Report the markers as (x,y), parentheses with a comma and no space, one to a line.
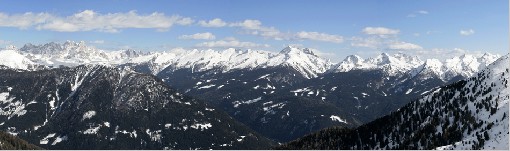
(72,53)
(355,59)
(13,59)
(431,67)
(302,60)
(290,50)
(382,59)
(466,65)
(392,64)
(350,62)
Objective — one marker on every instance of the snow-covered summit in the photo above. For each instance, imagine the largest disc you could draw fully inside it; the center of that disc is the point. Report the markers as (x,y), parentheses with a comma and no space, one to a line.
(303,60)
(393,64)
(431,67)
(72,53)
(289,50)
(465,65)
(349,63)
(13,59)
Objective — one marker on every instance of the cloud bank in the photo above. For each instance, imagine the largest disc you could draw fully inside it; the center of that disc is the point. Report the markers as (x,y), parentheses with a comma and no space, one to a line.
(197,36)
(89,20)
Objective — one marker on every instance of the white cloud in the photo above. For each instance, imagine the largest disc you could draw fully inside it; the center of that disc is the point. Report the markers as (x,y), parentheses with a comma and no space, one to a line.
(445,53)
(231,42)
(319,37)
(97,42)
(89,20)
(4,42)
(430,32)
(370,42)
(25,20)
(467,32)
(416,13)
(377,42)
(248,24)
(380,31)
(459,50)
(205,36)
(230,38)
(422,12)
(404,46)
(212,23)
(293,45)
(255,27)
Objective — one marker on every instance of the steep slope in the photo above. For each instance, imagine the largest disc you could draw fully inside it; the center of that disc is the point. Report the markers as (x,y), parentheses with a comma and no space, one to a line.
(98,107)
(470,114)
(9,142)
(261,99)
(13,59)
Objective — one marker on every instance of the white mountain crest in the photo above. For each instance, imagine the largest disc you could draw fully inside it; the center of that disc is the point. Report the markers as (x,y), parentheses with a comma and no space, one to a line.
(302,60)
(465,65)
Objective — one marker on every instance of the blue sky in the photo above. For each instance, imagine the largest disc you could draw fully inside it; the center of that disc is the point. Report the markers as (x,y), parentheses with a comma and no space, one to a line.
(336,28)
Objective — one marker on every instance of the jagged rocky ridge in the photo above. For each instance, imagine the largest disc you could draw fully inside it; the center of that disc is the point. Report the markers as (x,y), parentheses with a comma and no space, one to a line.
(100,107)
(469,114)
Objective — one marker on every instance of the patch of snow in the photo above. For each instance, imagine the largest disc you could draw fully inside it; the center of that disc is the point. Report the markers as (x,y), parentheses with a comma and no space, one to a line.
(337,118)
(202,127)
(264,76)
(409,91)
(237,103)
(45,140)
(107,124)
(168,125)
(92,130)
(59,139)
(207,86)
(333,88)
(88,115)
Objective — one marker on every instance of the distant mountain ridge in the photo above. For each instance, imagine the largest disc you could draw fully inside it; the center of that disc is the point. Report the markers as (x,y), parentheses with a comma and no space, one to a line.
(303,60)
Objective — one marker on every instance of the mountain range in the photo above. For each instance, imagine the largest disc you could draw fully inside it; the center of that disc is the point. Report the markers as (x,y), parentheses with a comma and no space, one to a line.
(280,96)
(469,114)
(304,60)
